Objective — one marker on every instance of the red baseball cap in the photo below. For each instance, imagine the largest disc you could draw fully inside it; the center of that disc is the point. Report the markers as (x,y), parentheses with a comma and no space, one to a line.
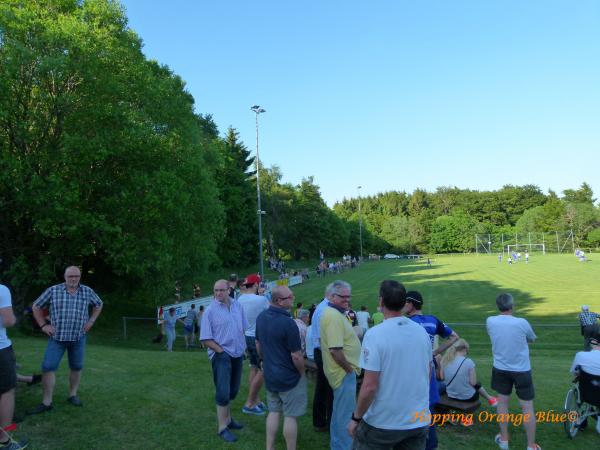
(251,279)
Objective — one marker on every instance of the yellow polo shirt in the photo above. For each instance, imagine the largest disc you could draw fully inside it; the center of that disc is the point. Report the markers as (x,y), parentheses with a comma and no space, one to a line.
(337,332)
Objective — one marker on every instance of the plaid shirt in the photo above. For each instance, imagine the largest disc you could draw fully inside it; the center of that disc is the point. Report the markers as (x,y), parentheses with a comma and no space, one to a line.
(68,313)
(588,318)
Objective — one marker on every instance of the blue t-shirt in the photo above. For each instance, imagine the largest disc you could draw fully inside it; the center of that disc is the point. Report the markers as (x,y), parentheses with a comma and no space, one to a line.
(433,326)
(278,337)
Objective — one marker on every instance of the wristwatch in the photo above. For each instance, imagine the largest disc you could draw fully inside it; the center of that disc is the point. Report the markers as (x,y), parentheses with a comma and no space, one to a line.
(356,419)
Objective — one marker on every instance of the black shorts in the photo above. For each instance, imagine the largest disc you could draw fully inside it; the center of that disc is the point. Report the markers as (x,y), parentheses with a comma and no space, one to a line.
(251,352)
(503,381)
(8,370)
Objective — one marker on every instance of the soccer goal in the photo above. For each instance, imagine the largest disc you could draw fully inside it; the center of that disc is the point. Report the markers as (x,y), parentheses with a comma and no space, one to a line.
(514,248)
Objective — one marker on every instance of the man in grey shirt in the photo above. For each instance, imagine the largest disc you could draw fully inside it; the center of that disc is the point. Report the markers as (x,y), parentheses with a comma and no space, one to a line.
(510,337)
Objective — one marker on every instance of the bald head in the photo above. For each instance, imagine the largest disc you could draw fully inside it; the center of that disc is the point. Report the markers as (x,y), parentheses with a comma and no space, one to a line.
(282,297)
(221,291)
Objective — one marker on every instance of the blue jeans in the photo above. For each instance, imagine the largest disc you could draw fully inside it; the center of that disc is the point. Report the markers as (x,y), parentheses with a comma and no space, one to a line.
(344,403)
(56,349)
(227,376)
(170,332)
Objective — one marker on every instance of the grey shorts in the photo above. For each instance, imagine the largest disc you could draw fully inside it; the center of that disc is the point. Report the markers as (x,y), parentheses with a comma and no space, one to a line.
(292,403)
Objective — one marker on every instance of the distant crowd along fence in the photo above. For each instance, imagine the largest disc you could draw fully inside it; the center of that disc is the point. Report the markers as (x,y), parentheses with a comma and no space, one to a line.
(182,308)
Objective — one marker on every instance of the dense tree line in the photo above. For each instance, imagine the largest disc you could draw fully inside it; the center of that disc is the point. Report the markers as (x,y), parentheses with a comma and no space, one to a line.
(448,219)
(104,163)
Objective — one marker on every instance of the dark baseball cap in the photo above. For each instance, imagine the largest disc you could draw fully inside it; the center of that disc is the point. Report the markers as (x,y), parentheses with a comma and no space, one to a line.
(414,297)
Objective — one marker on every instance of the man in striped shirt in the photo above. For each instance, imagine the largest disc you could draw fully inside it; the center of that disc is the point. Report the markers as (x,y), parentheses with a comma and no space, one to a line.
(222,332)
(589,326)
(68,303)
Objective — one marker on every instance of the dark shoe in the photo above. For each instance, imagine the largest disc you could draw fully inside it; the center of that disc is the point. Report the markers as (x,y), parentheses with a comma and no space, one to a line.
(14,445)
(227,436)
(41,408)
(233,425)
(74,400)
(35,379)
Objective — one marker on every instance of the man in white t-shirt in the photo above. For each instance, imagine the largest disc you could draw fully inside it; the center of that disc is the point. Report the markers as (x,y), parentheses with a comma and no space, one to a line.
(363,317)
(8,373)
(588,362)
(510,337)
(393,404)
(253,304)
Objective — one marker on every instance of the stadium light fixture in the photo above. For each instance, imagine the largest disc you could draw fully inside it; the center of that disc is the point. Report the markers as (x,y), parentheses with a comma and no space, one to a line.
(360,223)
(258,110)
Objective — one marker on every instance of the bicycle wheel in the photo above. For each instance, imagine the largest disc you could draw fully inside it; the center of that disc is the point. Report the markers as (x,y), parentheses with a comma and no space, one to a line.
(572,403)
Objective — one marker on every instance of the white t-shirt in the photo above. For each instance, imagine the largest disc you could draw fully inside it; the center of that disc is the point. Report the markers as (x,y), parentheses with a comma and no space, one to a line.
(589,362)
(458,372)
(5,302)
(363,319)
(400,350)
(509,336)
(252,305)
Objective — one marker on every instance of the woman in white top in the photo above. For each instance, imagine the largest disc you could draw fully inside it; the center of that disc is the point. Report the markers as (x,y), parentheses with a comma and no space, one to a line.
(460,377)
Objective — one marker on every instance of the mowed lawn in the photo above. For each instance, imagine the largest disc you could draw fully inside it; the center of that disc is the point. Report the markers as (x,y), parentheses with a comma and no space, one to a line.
(137,396)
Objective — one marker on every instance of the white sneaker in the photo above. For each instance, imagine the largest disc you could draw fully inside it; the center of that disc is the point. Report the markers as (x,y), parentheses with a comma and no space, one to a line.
(502,444)
(535,447)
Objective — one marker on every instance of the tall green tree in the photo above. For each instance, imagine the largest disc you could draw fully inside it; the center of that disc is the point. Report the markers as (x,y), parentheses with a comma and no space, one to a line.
(101,160)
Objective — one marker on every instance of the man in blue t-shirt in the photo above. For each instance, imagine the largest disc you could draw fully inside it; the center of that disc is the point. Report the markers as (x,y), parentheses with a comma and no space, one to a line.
(433,326)
(278,344)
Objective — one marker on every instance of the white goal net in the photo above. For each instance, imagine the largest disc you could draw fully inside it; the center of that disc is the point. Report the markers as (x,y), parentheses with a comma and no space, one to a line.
(516,248)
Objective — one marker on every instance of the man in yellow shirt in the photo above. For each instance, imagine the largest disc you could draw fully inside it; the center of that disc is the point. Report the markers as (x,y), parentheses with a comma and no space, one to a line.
(341,352)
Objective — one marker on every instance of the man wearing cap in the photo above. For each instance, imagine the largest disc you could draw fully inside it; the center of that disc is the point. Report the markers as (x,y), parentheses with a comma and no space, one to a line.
(434,327)
(232,284)
(340,349)
(589,325)
(252,304)
(589,363)
(391,411)
(222,332)
(278,342)
(510,337)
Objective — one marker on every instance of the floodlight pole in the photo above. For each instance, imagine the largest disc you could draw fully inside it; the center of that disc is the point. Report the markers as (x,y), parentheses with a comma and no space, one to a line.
(258,110)
(360,224)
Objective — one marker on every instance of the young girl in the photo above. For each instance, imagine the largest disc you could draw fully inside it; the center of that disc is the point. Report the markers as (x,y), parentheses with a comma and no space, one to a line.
(460,377)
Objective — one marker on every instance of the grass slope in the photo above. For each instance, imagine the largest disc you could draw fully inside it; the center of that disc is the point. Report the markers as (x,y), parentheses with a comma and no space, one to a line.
(139,397)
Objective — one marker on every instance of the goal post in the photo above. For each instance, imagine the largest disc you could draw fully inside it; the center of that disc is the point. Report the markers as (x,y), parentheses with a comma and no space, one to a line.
(511,248)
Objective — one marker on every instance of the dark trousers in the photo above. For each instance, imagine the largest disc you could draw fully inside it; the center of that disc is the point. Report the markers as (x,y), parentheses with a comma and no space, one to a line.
(588,331)
(227,375)
(323,400)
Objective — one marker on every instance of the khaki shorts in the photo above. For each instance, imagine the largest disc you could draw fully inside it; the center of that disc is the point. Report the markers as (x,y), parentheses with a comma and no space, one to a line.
(292,403)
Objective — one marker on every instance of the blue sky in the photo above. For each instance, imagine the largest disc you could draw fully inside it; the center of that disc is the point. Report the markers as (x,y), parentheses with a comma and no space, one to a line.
(395,95)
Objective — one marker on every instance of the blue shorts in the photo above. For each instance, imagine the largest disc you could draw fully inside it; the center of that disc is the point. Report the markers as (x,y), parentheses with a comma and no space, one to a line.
(227,376)
(56,349)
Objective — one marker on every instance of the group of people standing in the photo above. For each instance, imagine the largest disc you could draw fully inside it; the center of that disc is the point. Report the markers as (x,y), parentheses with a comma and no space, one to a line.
(396,361)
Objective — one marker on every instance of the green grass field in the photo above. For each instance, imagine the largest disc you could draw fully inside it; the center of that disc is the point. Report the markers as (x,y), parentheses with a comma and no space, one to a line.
(136,396)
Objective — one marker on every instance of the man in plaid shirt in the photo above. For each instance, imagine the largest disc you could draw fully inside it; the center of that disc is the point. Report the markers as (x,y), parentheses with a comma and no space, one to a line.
(69,322)
(589,326)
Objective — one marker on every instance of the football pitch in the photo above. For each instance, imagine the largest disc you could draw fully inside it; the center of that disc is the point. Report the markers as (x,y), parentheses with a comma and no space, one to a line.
(138,396)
